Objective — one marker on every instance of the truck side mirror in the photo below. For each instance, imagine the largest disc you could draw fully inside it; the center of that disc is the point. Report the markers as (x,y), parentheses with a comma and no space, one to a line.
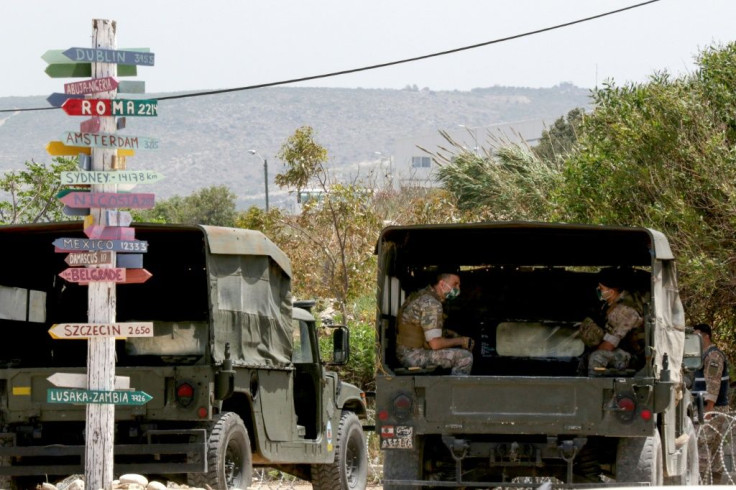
(340,345)
(692,356)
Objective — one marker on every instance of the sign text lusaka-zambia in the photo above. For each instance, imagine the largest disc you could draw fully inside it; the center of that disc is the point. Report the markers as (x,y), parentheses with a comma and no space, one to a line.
(111,107)
(120,397)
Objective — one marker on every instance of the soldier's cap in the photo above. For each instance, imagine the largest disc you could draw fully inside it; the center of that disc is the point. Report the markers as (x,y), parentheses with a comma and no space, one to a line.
(614,277)
(703,327)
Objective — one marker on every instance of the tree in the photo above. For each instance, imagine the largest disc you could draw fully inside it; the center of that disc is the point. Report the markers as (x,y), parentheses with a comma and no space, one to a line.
(32,192)
(213,205)
(558,141)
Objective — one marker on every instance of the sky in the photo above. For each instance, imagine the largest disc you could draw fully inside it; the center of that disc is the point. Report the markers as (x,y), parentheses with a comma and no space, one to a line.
(216,44)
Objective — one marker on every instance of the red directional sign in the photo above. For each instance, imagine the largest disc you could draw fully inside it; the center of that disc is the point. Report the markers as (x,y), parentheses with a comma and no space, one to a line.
(90,125)
(137,276)
(108,200)
(91,86)
(111,107)
(97,274)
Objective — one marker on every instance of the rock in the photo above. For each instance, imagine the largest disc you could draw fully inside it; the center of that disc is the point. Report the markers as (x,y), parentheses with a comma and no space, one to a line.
(46,486)
(156,485)
(133,478)
(77,484)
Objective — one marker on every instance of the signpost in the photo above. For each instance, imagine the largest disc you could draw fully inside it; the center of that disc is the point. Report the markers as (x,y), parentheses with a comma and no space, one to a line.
(119,177)
(111,107)
(79,380)
(91,86)
(89,258)
(88,330)
(57,148)
(106,140)
(69,245)
(109,200)
(117,397)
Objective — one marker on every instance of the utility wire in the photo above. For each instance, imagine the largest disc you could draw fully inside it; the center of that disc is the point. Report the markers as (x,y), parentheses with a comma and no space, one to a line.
(381,65)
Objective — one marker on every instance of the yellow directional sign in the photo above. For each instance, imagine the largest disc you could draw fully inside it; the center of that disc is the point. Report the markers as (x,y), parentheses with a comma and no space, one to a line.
(57,148)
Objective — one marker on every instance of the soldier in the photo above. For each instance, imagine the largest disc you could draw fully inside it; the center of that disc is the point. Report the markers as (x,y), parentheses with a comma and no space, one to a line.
(711,381)
(422,341)
(621,338)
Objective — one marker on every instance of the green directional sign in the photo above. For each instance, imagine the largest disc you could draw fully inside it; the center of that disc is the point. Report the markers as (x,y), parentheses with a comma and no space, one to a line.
(73,70)
(117,397)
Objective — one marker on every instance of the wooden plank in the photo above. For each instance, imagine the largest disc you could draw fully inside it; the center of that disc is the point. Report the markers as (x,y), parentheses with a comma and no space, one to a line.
(62,331)
(57,55)
(83,70)
(75,211)
(111,107)
(91,125)
(94,274)
(89,258)
(109,141)
(118,218)
(110,232)
(79,380)
(137,276)
(109,200)
(85,162)
(57,148)
(119,57)
(68,245)
(73,396)
(116,177)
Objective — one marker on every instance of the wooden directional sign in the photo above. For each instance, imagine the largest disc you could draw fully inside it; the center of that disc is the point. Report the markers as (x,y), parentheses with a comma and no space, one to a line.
(79,380)
(131,87)
(119,177)
(118,397)
(97,330)
(91,125)
(57,100)
(83,70)
(91,86)
(110,232)
(57,148)
(95,274)
(89,258)
(111,107)
(114,218)
(85,162)
(98,55)
(58,56)
(109,140)
(137,276)
(109,200)
(64,245)
(129,261)
(75,211)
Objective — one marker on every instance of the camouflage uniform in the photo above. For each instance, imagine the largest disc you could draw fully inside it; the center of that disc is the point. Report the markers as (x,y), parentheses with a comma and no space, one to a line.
(712,381)
(623,320)
(421,319)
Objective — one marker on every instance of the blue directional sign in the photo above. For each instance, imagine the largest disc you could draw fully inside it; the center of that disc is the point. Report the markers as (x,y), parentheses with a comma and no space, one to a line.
(98,55)
(89,244)
(57,99)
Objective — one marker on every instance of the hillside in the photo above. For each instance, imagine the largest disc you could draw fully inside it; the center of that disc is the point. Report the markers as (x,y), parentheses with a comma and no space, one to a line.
(205,140)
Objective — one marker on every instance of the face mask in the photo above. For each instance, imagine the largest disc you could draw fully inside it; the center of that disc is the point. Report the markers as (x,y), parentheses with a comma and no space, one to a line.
(603,296)
(452,293)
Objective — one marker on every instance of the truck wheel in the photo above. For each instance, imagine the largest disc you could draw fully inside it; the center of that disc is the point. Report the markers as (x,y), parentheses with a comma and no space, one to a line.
(639,459)
(229,462)
(691,476)
(350,468)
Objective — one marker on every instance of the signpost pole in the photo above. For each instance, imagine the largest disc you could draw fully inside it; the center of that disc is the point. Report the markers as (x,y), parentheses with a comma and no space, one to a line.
(100,421)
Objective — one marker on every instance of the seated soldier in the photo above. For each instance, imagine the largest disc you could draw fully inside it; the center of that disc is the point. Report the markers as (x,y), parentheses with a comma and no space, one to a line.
(421,340)
(621,338)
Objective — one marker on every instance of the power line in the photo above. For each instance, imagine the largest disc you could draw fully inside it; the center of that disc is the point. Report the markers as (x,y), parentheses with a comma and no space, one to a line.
(382,65)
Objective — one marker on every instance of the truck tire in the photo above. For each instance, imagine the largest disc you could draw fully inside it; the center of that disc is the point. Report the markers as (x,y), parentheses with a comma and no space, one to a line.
(691,476)
(229,460)
(639,459)
(350,468)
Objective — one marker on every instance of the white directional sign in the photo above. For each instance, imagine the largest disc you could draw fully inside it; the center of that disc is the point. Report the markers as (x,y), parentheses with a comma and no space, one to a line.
(97,330)
(79,380)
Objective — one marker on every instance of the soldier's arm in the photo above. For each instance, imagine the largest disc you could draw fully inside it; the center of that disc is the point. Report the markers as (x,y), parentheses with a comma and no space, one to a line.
(713,370)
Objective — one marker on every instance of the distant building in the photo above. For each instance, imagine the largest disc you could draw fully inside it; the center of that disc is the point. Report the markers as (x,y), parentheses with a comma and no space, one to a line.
(413,167)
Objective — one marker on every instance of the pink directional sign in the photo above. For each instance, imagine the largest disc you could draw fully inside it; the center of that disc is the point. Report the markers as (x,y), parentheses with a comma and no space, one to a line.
(108,200)
(90,125)
(91,86)
(96,274)
(110,232)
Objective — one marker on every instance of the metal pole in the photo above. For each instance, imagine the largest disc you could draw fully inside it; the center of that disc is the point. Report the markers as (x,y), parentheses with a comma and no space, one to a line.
(265,179)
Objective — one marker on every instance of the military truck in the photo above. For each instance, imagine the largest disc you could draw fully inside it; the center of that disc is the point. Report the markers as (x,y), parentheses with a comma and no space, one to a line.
(529,407)
(233,366)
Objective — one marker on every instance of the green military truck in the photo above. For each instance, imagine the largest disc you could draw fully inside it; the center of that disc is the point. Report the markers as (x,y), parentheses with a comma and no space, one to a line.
(529,408)
(233,367)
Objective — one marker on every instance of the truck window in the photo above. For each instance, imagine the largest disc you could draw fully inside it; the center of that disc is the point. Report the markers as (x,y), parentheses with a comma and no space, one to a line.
(302,352)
